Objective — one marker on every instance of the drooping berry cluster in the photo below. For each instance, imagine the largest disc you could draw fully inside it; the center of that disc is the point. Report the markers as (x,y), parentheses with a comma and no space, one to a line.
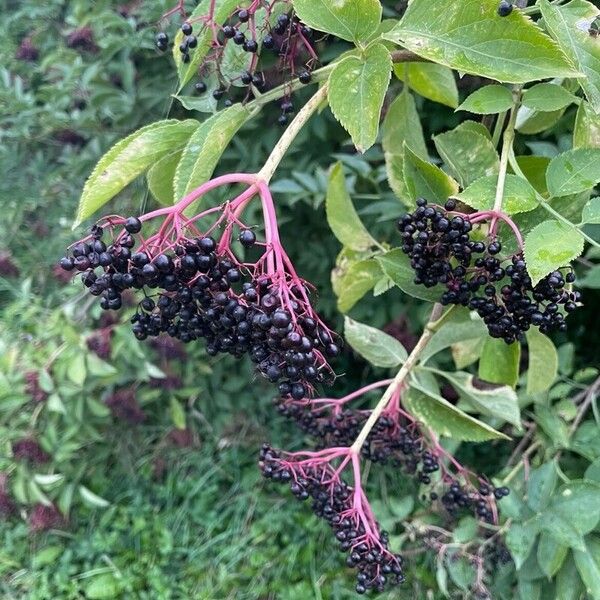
(195,288)
(438,242)
(335,501)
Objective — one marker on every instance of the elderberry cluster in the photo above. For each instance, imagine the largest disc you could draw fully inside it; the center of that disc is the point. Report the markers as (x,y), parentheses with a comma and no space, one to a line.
(441,251)
(198,293)
(376,566)
(459,497)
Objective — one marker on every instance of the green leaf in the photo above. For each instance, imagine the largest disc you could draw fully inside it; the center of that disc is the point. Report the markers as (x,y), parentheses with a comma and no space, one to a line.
(534,168)
(425,180)
(552,425)
(396,265)
(402,126)
(177,414)
(488,100)
(205,147)
(500,402)
(547,97)
(357,87)
(586,133)
(573,171)
(77,369)
(92,499)
(103,587)
(341,215)
(445,418)
(352,20)
(588,565)
(531,121)
(519,196)
(543,362)
(374,345)
(470,36)
(355,282)
(129,158)
(429,80)
(160,177)
(520,539)
(569,26)
(568,583)
(549,246)
(461,326)
(204,35)
(461,570)
(550,555)
(467,352)
(591,211)
(499,362)
(468,154)
(540,486)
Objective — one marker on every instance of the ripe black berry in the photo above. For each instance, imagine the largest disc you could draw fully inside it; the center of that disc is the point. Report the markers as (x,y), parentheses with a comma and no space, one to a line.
(192,41)
(250,46)
(67,263)
(268,42)
(239,38)
(243,15)
(282,120)
(229,31)
(186,28)
(161,40)
(505,8)
(246,78)
(305,77)
(200,87)
(247,238)
(218,93)
(133,225)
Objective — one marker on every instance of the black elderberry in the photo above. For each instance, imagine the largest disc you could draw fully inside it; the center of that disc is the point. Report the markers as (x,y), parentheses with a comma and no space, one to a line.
(243,15)
(192,41)
(227,103)
(268,42)
(229,31)
(282,120)
(200,87)
(305,77)
(161,40)
(239,38)
(218,93)
(246,78)
(67,263)
(247,238)
(505,8)
(185,58)
(250,46)
(187,28)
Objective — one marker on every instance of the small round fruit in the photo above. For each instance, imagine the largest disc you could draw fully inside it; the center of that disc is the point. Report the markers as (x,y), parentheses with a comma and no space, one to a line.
(505,8)
(187,28)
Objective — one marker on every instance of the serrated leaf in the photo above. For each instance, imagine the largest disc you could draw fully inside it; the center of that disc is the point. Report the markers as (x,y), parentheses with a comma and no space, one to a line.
(550,555)
(500,402)
(468,154)
(591,212)
(588,565)
(352,20)
(573,171)
(549,246)
(461,570)
(543,362)
(547,97)
(160,178)
(520,539)
(586,133)
(374,345)
(357,87)
(355,282)
(92,499)
(402,126)
(205,147)
(425,180)
(396,265)
(204,35)
(341,214)
(129,158)
(489,99)
(569,26)
(499,362)
(435,82)
(470,36)
(519,195)
(461,326)
(445,418)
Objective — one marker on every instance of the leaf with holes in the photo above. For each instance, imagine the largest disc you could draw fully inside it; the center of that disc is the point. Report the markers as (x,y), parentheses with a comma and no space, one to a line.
(374,345)
(549,246)
(352,20)
(469,36)
(573,171)
(357,87)
(129,158)
(341,214)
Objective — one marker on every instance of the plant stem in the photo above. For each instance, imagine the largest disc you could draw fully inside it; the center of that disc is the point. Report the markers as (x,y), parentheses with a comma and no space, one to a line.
(546,205)
(411,361)
(290,134)
(500,120)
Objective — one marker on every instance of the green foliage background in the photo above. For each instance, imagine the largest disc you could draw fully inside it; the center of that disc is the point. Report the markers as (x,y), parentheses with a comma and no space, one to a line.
(164,521)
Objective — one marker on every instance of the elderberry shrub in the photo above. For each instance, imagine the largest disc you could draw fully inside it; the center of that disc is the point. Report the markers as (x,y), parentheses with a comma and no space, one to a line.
(441,251)
(376,566)
(198,292)
(397,441)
